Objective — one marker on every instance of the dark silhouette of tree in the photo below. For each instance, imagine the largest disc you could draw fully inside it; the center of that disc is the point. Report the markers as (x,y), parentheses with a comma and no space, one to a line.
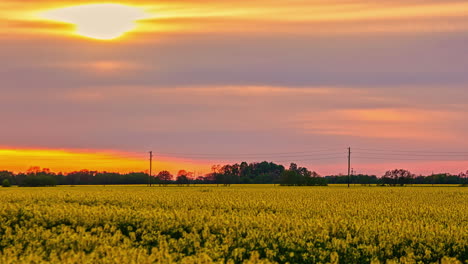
(463,177)
(398,177)
(164,177)
(33,170)
(7,175)
(245,173)
(300,176)
(314,179)
(200,180)
(183,178)
(35,177)
(289,178)
(239,173)
(293,167)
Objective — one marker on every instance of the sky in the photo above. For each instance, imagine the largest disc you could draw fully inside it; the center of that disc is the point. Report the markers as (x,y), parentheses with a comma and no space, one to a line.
(203,82)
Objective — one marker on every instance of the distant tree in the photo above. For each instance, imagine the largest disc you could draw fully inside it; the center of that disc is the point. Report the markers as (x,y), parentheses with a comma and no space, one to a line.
(37,177)
(463,176)
(38,180)
(86,177)
(293,167)
(210,178)
(301,176)
(7,175)
(182,173)
(219,175)
(135,178)
(314,179)
(182,180)
(6,183)
(225,179)
(398,177)
(216,168)
(164,177)
(289,178)
(188,174)
(33,170)
(199,180)
(245,173)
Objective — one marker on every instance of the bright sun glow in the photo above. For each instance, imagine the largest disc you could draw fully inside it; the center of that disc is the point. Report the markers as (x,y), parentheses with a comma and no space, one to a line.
(99,21)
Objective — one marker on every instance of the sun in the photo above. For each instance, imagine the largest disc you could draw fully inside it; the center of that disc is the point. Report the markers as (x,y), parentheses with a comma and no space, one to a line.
(99,21)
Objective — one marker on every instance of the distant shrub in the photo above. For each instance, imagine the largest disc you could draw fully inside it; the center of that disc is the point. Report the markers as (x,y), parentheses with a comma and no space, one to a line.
(6,183)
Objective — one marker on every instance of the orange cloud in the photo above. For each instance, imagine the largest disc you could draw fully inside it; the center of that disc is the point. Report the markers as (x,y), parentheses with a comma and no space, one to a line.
(418,124)
(309,110)
(103,67)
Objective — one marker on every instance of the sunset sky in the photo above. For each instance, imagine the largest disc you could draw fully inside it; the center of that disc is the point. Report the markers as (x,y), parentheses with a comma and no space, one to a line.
(96,85)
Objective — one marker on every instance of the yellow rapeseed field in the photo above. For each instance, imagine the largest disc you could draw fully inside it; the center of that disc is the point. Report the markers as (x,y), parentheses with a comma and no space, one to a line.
(238,224)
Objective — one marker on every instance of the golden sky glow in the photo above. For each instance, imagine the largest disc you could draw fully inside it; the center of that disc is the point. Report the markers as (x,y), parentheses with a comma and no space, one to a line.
(19,160)
(111,20)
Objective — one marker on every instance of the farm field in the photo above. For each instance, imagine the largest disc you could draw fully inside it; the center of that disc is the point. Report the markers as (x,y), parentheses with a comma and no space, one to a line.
(237,224)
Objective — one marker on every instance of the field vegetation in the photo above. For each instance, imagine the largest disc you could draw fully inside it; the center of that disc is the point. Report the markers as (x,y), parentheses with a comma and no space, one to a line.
(237,224)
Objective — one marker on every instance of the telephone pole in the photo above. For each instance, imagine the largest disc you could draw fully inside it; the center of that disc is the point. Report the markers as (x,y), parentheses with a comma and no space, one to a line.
(150,168)
(349,165)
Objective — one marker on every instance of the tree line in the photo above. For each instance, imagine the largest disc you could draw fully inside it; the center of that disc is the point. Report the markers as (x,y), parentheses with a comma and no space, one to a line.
(400,177)
(239,173)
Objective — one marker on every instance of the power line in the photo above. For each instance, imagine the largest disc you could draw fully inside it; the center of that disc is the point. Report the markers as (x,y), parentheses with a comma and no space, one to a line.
(227,157)
(109,159)
(150,168)
(411,154)
(412,151)
(329,158)
(349,165)
(311,155)
(295,153)
(403,159)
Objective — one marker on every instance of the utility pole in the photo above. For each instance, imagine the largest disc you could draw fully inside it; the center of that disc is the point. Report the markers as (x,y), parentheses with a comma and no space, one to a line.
(150,168)
(349,165)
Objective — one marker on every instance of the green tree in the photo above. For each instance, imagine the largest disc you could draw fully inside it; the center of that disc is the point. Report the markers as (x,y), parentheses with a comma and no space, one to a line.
(6,183)
(289,178)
